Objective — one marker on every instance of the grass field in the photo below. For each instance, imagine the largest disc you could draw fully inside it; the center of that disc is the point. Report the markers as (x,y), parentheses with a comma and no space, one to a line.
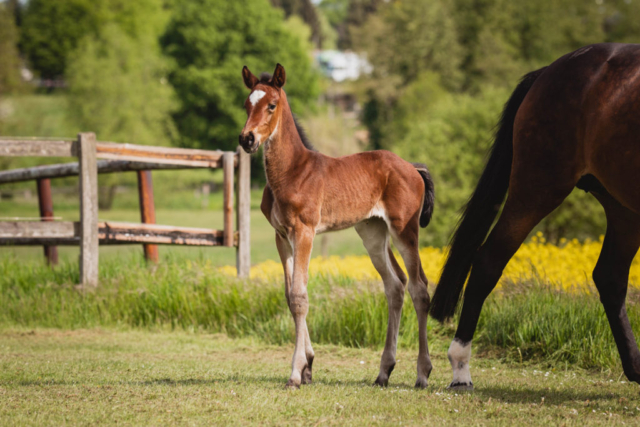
(51,377)
(186,343)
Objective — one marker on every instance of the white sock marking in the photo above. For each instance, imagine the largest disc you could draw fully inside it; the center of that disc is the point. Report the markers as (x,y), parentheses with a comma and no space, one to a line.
(256,96)
(459,357)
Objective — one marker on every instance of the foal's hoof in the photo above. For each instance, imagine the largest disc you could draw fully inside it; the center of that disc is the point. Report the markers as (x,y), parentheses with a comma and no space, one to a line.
(291,385)
(307,377)
(460,387)
(381,382)
(421,383)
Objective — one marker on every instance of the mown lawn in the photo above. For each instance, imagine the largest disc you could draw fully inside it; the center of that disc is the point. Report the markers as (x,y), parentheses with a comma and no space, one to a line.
(98,376)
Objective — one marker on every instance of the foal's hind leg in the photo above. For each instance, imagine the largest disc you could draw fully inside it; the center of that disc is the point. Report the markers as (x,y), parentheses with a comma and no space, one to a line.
(286,256)
(407,243)
(375,236)
(611,277)
(522,211)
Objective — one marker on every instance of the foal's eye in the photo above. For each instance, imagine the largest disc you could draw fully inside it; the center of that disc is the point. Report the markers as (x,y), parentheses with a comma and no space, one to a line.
(272,107)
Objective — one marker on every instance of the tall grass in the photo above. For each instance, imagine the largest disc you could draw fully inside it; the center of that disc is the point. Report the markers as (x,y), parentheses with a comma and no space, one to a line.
(530,321)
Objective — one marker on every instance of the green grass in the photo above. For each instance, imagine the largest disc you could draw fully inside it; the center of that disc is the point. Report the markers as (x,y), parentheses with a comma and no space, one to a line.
(107,377)
(533,324)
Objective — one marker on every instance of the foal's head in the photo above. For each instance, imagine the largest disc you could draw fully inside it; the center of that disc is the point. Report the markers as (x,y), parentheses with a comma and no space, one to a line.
(263,108)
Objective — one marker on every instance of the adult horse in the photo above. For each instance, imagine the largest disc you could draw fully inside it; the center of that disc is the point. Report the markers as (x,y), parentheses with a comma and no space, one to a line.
(575,123)
(308,193)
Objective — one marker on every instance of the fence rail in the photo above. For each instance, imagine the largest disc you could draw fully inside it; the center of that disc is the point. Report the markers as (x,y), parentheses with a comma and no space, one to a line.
(89,233)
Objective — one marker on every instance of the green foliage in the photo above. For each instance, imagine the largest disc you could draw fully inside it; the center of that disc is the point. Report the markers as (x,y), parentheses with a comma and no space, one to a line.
(210,41)
(335,11)
(407,38)
(402,41)
(305,10)
(301,31)
(52,29)
(502,39)
(118,88)
(443,71)
(9,56)
(621,24)
(451,135)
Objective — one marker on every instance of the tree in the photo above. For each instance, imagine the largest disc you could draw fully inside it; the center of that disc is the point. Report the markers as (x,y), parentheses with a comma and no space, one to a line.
(118,84)
(306,10)
(210,41)
(502,39)
(118,88)
(52,29)
(403,40)
(9,57)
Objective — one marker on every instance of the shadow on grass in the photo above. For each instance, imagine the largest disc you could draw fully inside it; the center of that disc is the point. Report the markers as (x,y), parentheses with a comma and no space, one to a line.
(535,395)
(503,394)
(227,379)
(246,379)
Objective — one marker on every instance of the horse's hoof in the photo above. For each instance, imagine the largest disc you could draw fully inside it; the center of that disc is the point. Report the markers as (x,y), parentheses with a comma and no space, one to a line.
(291,385)
(421,383)
(460,387)
(380,382)
(307,377)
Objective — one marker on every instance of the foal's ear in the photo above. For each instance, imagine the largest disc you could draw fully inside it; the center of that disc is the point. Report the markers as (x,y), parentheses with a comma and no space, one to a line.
(279,76)
(250,81)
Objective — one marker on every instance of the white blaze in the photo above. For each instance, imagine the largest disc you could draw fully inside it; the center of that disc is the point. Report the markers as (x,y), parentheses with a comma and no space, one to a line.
(256,96)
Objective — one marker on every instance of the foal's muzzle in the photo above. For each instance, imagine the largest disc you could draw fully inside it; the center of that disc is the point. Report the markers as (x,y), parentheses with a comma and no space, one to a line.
(248,142)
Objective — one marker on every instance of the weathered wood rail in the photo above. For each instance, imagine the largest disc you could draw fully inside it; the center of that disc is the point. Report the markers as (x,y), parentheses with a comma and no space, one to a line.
(89,233)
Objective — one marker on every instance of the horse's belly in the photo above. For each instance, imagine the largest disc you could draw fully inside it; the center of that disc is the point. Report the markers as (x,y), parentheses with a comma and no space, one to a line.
(350,217)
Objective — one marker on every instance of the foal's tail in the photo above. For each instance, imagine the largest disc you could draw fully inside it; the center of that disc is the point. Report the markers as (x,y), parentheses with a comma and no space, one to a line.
(429,194)
(481,209)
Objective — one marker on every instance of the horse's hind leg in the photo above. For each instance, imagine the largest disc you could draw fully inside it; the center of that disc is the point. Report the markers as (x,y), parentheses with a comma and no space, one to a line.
(407,243)
(375,236)
(286,256)
(611,277)
(523,210)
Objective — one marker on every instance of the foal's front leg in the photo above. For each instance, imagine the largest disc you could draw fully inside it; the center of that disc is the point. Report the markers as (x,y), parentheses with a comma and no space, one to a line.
(299,303)
(286,256)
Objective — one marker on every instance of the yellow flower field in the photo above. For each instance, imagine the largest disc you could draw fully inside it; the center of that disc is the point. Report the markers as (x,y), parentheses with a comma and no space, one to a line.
(567,265)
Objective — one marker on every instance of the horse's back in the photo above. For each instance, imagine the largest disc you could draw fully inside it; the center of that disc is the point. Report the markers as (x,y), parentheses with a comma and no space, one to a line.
(581,117)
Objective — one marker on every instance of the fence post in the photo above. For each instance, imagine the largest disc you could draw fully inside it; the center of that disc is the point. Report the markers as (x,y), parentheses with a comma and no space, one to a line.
(228,170)
(147,210)
(45,202)
(88,209)
(243,252)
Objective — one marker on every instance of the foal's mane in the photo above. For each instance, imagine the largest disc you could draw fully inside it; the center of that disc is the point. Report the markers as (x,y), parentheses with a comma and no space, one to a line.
(265,78)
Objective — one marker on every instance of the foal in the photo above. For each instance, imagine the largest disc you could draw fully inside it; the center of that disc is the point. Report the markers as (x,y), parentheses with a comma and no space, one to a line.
(308,193)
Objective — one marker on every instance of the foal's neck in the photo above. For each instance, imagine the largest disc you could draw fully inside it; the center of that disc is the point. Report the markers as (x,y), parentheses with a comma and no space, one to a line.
(284,150)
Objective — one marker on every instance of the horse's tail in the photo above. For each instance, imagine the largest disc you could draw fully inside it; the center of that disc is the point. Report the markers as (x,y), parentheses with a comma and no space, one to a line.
(429,194)
(481,209)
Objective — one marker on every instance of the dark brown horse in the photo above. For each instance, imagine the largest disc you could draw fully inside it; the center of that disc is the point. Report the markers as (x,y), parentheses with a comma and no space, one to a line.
(308,193)
(573,123)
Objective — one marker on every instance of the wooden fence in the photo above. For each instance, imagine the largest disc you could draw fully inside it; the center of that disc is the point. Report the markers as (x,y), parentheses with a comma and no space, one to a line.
(88,233)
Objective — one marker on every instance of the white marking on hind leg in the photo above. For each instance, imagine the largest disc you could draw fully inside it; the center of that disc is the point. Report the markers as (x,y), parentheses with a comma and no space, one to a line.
(459,355)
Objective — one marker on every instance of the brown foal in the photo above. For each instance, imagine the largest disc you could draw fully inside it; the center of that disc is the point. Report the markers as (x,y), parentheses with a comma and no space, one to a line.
(308,193)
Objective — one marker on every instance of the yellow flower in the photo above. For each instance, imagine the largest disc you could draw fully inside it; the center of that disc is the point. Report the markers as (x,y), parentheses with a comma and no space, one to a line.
(567,265)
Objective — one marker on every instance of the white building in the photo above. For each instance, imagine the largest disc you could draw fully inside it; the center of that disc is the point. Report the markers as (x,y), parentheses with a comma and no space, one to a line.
(340,66)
